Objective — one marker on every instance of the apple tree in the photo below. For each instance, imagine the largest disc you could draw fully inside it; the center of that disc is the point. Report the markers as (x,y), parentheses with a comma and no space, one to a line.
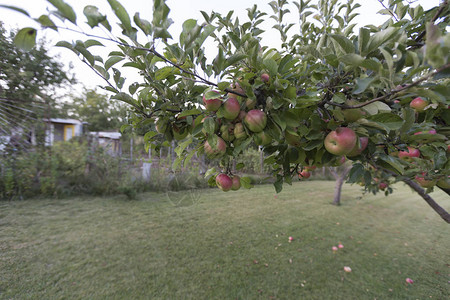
(377,96)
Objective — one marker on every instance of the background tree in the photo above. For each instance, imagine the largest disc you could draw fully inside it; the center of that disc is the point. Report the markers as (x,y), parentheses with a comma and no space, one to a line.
(29,83)
(98,111)
(310,102)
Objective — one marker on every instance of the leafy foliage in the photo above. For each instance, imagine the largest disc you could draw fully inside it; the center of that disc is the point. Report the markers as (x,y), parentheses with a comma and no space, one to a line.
(306,88)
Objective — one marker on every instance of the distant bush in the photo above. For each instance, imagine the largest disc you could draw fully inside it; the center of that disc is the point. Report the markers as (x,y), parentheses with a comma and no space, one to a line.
(73,168)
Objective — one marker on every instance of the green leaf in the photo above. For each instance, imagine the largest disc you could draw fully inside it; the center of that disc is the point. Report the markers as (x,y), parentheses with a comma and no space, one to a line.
(363,39)
(278,184)
(233,59)
(93,16)
(190,112)
(121,13)
(246,182)
(112,61)
(271,66)
(209,124)
(25,39)
(65,10)
(352,59)
(362,84)
(210,172)
(165,72)
(356,173)
(84,52)
(65,45)
(90,43)
(380,38)
(45,21)
(390,120)
(409,117)
(182,146)
(343,43)
(392,162)
(144,25)
(18,9)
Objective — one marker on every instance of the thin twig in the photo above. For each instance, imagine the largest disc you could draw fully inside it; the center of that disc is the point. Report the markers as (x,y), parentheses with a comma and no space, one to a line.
(390,11)
(395,91)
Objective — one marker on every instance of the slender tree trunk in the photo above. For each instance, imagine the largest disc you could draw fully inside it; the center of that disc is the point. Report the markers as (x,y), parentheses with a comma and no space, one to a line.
(339,174)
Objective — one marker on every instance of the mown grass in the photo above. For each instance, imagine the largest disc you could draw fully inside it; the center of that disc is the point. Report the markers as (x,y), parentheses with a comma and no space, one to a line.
(207,244)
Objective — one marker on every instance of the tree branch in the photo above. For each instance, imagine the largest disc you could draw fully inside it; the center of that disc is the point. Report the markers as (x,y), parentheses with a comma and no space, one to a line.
(416,187)
(441,212)
(436,16)
(151,50)
(393,92)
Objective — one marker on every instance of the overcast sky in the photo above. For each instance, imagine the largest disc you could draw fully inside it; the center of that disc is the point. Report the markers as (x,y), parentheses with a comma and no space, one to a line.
(180,11)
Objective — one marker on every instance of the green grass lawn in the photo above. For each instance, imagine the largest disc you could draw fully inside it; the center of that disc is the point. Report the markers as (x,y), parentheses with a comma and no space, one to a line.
(208,244)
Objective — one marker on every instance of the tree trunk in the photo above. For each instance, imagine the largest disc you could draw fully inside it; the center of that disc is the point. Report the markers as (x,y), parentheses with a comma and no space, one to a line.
(340,174)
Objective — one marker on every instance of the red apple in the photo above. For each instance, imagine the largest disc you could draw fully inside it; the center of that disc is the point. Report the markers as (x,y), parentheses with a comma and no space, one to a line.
(265,77)
(420,178)
(212,104)
(216,150)
(418,104)
(231,109)
(255,120)
(224,182)
(236,183)
(304,174)
(412,152)
(358,149)
(382,186)
(341,141)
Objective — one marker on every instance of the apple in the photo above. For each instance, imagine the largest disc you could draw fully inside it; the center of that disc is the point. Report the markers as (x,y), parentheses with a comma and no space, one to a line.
(231,109)
(265,77)
(310,168)
(444,183)
(262,138)
(407,155)
(236,183)
(216,150)
(224,182)
(418,104)
(304,174)
(420,178)
(340,141)
(382,186)
(352,114)
(212,104)
(227,132)
(358,149)
(239,131)
(255,120)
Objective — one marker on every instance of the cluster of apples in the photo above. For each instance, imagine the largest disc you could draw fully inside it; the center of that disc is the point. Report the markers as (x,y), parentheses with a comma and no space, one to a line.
(305,173)
(239,119)
(227,183)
